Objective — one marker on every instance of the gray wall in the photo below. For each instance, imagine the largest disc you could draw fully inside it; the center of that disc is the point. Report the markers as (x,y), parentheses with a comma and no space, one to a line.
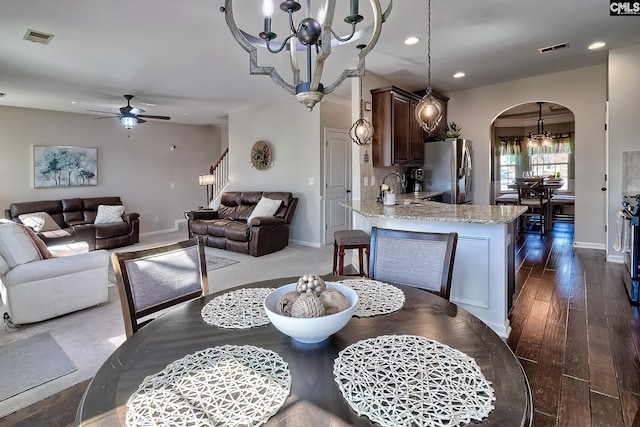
(624,125)
(139,169)
(295,136)
(583,91)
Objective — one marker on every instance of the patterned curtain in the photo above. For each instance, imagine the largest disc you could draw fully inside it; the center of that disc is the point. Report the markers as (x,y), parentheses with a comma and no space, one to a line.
(510,145)
(561,143)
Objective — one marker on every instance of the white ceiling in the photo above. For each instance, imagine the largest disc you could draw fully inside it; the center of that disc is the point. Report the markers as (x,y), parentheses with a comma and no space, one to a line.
(180,55)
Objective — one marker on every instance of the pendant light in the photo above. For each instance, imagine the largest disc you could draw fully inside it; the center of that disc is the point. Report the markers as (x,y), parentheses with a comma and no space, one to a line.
(362,130)
(541,138)
(428,110)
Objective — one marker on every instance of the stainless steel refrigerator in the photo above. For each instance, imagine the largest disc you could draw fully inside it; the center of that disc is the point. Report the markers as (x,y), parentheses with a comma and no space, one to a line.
(448,168)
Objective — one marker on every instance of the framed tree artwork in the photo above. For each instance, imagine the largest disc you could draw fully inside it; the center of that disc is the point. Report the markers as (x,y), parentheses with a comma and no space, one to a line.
(62,166)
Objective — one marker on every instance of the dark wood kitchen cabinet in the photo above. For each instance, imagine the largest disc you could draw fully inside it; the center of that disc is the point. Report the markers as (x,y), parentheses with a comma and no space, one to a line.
(397,137)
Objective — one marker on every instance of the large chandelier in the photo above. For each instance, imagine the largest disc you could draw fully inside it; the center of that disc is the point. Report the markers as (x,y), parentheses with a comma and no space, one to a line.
(314,37)
(541,137)
(428,110)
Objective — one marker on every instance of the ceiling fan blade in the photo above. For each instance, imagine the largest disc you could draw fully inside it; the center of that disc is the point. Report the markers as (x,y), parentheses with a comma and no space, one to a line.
(155,117)
(136,111)
(125,110)
(106,117)
(139,120)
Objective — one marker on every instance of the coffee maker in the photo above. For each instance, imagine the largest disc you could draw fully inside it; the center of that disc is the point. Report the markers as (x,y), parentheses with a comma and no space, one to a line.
(415,177)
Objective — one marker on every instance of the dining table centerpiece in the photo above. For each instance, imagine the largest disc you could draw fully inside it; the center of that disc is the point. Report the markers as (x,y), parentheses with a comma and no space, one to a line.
(311,309)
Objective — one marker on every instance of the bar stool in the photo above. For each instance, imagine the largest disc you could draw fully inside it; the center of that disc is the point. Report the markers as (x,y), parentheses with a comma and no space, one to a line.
(349,239)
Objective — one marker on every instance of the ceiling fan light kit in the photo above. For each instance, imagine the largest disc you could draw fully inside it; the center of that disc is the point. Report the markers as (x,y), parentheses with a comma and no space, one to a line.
(313,36)
(130,116)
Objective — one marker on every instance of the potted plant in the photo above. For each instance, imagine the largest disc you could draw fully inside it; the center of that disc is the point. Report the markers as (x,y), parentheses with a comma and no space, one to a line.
(452,130)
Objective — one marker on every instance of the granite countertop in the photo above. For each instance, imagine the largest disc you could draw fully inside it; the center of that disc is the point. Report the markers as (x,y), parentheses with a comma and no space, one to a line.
(417,196)
(418,209)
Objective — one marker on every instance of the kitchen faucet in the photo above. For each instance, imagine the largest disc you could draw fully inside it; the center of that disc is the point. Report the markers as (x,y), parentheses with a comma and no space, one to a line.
(402,183)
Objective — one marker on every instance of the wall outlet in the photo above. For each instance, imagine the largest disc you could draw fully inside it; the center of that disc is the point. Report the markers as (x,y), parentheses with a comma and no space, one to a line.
(311,181)
(365,181)
(373,180)
(173,185)
(156,219)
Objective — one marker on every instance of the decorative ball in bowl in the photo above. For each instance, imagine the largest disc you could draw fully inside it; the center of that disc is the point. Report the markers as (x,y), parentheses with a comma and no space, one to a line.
(310,329)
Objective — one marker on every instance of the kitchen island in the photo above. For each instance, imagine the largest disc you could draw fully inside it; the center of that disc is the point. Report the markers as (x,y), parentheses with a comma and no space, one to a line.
(484,268)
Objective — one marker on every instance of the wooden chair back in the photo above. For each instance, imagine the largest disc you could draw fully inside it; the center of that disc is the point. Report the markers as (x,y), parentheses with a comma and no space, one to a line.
(420,259)
(151,280)
(530,191)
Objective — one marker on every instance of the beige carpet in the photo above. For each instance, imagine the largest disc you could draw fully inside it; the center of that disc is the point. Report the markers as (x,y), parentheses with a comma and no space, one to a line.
(89,336)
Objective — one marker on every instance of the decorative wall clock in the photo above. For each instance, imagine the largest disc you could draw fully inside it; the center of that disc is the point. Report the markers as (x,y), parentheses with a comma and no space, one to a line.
(261,155)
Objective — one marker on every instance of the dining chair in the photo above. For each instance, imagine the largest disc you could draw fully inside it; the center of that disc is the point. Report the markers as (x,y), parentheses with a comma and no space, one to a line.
(532,194)
(420,259)
(154,279)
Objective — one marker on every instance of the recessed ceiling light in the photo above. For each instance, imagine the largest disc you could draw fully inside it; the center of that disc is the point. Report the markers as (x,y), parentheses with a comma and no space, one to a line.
(73,102)
(186,114)
(459,75)
(597,45)
(411,40)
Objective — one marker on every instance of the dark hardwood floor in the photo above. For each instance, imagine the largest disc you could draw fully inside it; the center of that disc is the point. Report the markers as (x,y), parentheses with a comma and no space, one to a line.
(574,332)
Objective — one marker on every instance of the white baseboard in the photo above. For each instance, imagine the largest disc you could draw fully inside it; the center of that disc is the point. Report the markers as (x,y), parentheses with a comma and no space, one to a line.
(305,243)
(616,259)
(168,230)
(589,245)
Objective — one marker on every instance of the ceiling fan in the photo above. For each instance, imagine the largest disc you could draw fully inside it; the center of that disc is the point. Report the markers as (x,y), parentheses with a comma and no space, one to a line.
(130,116)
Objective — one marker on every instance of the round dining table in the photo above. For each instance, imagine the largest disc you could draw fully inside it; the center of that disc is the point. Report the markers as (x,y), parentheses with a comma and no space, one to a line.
(315,398)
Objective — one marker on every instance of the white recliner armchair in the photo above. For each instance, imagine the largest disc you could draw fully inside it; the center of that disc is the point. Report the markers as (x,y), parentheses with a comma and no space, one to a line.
(36,288)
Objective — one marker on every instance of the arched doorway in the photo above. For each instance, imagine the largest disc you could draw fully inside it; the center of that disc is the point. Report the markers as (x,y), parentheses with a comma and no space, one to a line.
(513,155)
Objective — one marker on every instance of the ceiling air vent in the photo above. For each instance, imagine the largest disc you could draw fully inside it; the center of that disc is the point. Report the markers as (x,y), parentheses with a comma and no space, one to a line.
(554,47)
(37,36)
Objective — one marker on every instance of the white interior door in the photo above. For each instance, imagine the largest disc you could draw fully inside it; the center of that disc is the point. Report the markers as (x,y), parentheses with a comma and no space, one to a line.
(337,176)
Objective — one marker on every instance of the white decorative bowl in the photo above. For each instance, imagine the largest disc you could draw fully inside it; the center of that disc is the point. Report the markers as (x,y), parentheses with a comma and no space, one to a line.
(310,329)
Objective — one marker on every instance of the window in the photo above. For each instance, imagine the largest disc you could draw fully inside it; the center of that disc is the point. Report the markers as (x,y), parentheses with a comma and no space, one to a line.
(508,171)
(546,164)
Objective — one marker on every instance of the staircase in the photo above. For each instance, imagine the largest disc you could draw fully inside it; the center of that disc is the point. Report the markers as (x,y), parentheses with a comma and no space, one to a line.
(220,170)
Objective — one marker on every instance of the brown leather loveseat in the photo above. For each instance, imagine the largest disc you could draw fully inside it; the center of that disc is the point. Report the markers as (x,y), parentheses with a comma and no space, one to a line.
(227,227)
(76,217)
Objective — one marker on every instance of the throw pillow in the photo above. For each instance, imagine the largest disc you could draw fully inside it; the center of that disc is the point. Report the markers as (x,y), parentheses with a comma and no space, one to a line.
(40,245)
(39,221)
(265,207)
(15,246)
(109,213)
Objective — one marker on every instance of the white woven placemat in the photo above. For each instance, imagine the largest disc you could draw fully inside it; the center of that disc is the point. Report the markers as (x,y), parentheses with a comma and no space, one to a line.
(239,309)
(375,297)
(227,385)
(407,380)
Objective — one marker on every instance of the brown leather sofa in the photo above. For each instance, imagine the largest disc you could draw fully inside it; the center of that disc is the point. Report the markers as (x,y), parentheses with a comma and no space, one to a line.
(227,228)
(75,218)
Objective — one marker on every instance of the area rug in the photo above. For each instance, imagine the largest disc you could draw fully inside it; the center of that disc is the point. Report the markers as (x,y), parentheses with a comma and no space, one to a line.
(213,263)
(30,362)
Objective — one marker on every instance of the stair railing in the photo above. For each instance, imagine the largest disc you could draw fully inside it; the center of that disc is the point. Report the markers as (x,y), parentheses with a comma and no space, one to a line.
(220,170)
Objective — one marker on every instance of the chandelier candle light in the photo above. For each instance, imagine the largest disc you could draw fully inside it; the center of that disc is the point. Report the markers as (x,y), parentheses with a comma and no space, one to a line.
(428,110)
(315,37)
